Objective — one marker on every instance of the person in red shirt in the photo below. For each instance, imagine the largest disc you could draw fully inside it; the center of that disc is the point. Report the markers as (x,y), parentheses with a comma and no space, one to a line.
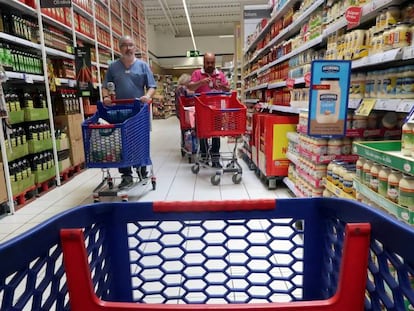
(209,79)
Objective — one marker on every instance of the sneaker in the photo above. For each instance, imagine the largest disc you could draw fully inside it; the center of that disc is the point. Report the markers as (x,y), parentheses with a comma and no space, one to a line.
(126,182)
(142,172)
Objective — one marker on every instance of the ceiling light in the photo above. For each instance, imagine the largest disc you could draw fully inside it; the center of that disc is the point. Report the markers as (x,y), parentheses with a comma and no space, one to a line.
(226,36)
(189,24)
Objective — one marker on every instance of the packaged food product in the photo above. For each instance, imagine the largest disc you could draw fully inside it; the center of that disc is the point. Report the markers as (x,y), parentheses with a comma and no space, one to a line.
(406,192)
(366,171)
(373,184)
(393,185)
(407,139)
(383,180)
(335,146)
(348,183)
(359,168)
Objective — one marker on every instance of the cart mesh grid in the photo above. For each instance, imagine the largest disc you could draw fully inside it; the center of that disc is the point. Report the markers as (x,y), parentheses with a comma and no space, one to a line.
(125,143)
(136,254)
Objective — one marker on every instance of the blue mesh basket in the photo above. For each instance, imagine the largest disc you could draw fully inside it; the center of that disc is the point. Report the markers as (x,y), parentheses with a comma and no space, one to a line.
(124,142)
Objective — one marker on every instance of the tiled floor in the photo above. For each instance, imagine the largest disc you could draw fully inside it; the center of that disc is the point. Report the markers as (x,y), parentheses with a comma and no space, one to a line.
(175,181)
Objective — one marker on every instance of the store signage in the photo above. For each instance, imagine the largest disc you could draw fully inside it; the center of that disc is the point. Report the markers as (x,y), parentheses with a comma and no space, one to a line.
(256,14)
(55,3)
(193,53)
(353,16)
(307,79)
(290,83)
(328,101)
(83,66)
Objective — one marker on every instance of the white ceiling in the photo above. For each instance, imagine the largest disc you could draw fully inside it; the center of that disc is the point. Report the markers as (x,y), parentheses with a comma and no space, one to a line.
(208,17)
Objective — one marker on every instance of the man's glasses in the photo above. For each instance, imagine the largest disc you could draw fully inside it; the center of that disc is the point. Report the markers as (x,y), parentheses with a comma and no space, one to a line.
(129,45)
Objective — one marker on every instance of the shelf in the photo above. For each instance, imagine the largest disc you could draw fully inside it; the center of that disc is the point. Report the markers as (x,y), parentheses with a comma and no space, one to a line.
(251,101)
(50,21)
(54,52)
(22,8)
(337,191)
(265,29)
(29,78)
(387,153)
(290,184)
(257,87)
(402,213)
(302,48)
(14,39)
(279,108)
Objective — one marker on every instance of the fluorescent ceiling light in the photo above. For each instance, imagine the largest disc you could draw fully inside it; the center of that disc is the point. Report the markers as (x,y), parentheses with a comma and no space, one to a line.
(226,36)
(189,24)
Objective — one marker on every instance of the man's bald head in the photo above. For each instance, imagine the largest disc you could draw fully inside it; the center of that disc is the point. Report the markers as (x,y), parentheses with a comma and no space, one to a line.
(209,62)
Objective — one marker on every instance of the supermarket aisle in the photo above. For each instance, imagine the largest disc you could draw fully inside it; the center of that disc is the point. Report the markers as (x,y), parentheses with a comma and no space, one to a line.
(175,181)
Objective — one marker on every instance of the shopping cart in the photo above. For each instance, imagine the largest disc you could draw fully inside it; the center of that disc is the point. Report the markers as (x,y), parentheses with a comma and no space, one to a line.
(118,136)
(189,141)
(237,255)
(217,115)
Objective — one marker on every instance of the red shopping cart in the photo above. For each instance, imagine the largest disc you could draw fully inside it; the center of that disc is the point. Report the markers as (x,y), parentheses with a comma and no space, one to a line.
(186,115)
(218,115)
(238,255)
(122,141)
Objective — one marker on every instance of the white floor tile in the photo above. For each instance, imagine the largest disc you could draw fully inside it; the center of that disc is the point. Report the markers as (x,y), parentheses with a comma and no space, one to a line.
(174,182)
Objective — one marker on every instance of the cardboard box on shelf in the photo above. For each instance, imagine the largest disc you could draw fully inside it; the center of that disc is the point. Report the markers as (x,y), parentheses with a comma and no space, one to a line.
(71,124)
(77,155)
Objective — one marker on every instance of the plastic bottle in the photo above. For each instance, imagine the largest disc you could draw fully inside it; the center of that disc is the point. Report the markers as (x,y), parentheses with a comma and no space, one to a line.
(393,185)
(334,146)
(348,182)
(373,184)
(359,168)
(366,169)
(406,192)
(407,139)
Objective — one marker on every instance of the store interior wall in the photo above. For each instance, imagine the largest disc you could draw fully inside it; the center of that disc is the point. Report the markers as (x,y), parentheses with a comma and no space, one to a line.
(169,52)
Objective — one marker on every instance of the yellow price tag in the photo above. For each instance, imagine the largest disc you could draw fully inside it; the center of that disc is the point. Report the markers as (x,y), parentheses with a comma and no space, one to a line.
(58,82)
(69,49)
(365,107)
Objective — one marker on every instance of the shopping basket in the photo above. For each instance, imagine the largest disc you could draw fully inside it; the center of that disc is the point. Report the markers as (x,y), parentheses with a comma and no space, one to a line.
(245,254)
(185,111)
(124,138)
(219,114)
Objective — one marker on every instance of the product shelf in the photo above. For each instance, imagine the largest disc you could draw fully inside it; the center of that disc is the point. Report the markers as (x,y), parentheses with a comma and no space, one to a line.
(18,40)
(291,185)
(400,212)
(326,158)
(387,153)
(29,78)
(337,191)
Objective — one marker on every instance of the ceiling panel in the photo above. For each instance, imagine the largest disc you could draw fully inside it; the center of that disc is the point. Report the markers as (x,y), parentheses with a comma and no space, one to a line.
(208,17)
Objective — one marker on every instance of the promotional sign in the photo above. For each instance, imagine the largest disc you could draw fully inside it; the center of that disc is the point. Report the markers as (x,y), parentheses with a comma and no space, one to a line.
(84,70)
(193,53)
(328,98)
(55,3)
(353,16)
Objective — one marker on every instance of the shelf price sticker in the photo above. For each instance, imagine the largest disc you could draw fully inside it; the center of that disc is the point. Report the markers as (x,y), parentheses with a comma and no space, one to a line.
(28,78)
(353,16)
(366,106)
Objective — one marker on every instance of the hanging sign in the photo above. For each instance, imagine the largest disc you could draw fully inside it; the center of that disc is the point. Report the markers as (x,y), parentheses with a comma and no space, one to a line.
(55,3)
(193,53)
(353,16)
(328,98)
(84,75)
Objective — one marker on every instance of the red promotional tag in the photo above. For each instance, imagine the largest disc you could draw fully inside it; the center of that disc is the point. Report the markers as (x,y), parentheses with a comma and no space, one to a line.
(321,87)
(290,83)
(307,79)
(353,16)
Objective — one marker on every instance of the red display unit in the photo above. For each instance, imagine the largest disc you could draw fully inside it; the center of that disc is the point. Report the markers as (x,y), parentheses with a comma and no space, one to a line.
(272,142)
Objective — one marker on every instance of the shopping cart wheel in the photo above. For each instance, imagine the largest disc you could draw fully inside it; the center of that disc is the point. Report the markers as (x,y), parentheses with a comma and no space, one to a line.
(215,180)
(182,153)
(154,184)
(236,178)
(195,168)
(110,184)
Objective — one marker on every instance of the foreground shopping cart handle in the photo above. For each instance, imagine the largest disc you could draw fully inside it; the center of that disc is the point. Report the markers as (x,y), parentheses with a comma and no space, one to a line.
(349,295)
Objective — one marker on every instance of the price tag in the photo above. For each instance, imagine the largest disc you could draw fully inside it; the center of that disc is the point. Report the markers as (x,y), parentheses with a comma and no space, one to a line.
(406,105)
(28,78)
(353,16)
(366,106)
(72,83)
(408,52)
(58,82)
(354,103)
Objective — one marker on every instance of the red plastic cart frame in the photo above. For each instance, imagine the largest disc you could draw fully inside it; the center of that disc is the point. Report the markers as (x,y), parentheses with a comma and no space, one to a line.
(349,296)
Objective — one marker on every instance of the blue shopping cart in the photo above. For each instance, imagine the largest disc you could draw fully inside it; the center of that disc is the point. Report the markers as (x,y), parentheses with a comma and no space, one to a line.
(249,255)
(118,136)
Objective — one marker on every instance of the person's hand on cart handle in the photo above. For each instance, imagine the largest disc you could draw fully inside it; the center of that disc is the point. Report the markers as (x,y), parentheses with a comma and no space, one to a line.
(107,101)
(145,99)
